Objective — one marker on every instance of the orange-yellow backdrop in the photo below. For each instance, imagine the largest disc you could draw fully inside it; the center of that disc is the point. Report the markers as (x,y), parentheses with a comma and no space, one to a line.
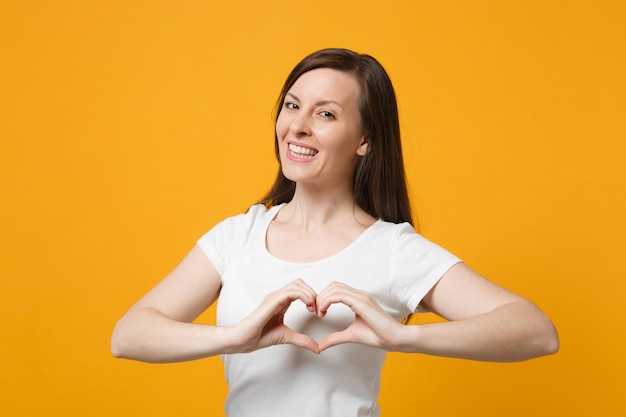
(129,128)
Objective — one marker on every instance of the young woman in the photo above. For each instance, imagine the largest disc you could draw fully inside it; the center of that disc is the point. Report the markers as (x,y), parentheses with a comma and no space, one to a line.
(314,282)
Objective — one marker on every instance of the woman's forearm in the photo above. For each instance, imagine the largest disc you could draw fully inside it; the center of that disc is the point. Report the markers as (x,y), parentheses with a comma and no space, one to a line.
(149,336)
(513,332)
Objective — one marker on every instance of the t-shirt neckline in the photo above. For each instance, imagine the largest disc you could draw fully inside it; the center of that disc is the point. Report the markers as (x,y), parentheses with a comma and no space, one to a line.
(271,214)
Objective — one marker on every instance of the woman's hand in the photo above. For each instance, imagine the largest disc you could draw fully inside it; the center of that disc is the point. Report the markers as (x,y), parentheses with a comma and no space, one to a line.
(485,322)
(265,327)
(372,326)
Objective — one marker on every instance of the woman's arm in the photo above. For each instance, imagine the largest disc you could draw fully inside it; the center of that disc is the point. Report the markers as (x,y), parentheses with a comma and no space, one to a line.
(486,322)
(159,327)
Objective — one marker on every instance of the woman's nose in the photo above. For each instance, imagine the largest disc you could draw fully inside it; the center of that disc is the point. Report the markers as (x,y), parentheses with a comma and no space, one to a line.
(300,125)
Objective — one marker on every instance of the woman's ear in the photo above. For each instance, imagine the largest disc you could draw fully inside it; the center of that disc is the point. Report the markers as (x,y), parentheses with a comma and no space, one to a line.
(363,147)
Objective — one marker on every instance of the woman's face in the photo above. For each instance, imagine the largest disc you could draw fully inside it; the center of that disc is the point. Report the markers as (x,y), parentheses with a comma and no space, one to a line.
(319,128)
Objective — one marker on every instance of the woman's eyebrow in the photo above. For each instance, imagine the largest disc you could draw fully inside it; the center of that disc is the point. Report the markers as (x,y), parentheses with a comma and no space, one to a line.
(319,103)
(293,96)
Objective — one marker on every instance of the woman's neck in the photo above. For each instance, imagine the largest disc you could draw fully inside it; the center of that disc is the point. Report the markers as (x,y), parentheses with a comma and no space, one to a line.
(311,208)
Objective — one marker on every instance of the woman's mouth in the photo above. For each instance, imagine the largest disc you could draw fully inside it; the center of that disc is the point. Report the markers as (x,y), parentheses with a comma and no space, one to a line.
(301,152)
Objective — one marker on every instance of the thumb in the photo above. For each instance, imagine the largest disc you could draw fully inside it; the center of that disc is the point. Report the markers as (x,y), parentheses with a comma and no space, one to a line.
(301,340)
(334,339)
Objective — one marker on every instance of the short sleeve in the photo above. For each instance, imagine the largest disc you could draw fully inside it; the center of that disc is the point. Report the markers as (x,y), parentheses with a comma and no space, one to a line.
(212,243)
(417,265)
(224,239)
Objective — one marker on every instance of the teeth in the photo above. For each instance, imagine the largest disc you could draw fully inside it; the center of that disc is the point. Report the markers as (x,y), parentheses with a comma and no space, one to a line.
(301,152)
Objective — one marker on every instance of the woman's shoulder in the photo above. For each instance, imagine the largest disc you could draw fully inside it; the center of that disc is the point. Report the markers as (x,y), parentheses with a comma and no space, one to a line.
(260,210)
(258,214)
(393,230)
(401,239)
(255,215)
(394,235)
(238,228)
(256,218)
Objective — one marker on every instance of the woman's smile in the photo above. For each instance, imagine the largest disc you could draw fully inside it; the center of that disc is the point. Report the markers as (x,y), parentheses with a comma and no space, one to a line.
(298,152)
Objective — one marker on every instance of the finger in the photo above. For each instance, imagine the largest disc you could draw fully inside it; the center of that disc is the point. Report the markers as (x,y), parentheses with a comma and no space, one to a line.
(340,294)
(280,300)
(308,294)
(301,340)
(334,339)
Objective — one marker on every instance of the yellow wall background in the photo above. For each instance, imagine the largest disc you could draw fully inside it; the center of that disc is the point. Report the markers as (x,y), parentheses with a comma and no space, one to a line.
(129,128)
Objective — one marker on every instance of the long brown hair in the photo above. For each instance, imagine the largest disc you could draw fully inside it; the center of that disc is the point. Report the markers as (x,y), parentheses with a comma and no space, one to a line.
(379,185)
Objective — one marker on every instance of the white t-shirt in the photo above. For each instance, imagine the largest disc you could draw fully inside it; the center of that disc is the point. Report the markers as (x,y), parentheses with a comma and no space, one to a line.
(390,261)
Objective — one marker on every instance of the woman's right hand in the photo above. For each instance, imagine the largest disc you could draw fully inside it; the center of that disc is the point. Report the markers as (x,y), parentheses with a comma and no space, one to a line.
(265,326)
(160,326)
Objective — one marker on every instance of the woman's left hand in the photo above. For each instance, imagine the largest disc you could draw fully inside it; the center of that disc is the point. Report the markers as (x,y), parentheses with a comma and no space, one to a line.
(372,326)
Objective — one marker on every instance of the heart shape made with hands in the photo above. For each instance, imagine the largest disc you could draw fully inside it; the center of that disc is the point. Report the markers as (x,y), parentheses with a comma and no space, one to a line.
(338,314)
(322,329)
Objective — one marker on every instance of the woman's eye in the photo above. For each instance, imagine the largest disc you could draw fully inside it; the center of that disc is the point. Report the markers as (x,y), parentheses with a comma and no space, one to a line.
(290,105)
(327,114)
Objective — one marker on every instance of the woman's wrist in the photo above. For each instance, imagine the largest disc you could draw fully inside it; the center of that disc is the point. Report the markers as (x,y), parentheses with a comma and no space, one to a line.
(407,338)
